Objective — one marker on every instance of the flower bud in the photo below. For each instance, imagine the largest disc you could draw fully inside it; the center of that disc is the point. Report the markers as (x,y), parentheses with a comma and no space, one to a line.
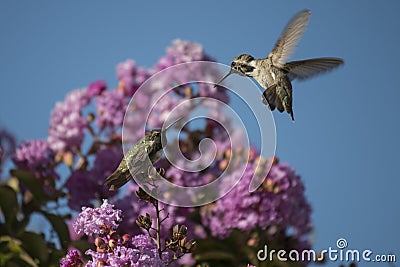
(68,158)
(112,243)
(125,238)
(99,242)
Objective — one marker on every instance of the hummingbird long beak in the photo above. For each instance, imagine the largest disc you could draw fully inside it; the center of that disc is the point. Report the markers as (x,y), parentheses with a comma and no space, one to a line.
(223,78)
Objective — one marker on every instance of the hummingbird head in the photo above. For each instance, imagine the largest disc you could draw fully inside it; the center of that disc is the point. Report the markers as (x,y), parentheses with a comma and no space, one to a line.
(154,135)
(152,139)
(242,65)
(157,135)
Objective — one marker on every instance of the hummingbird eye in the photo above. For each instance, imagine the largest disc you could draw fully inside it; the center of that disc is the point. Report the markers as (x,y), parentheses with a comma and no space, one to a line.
(233,64)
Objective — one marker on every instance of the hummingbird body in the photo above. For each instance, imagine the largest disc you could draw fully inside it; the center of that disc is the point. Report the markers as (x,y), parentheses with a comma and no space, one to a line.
(134,162)
(277,85)
(274,74)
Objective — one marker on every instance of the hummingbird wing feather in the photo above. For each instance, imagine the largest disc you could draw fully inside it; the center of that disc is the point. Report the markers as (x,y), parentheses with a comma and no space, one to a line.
(279,97)
(117,179)
(269,96)
(279,105)
(288,40)
(135,159)
(304,69)
(284,93)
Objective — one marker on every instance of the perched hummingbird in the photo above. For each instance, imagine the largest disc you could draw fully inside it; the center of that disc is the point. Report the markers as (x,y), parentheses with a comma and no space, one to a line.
(274,74)
(134,162)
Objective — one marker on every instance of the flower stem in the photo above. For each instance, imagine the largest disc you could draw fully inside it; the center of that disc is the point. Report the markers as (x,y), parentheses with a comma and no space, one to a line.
(158,227)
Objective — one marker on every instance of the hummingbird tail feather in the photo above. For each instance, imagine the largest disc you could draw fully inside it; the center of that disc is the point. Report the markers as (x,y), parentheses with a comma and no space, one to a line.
(117,179)
(291,114)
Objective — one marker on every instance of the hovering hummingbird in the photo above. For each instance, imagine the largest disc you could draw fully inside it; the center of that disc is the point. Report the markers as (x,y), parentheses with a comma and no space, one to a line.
(135,162)
(274,74)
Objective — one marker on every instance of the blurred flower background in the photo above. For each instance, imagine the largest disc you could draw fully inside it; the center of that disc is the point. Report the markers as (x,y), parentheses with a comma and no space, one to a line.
(343,144)
(85,138)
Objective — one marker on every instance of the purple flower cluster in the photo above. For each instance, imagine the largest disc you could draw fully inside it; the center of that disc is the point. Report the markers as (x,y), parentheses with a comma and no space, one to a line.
(96,88)
(131,76)
(155,96)
(67,124)
(36,156)
(163,108)
(111,106)
(139,251)
(111,249)
(93,221)
(87,185)
(280,202)
(106,161)
(181,52)
(185,52)
(72,259)
(82,186)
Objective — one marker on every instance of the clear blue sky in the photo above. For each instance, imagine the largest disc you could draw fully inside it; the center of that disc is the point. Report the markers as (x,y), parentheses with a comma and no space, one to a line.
(344,141)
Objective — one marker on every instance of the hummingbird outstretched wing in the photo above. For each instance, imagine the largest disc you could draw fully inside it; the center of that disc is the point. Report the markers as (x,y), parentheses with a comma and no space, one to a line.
(288,40)
(304,69)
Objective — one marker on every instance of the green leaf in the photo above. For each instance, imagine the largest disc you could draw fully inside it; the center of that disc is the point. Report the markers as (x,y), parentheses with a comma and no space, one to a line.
(5,257)
(35,245)
(27,260)
(12,254)
(55,257)
(31,182)
(17,262)
(60,227)
(12,244)
(8,204)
